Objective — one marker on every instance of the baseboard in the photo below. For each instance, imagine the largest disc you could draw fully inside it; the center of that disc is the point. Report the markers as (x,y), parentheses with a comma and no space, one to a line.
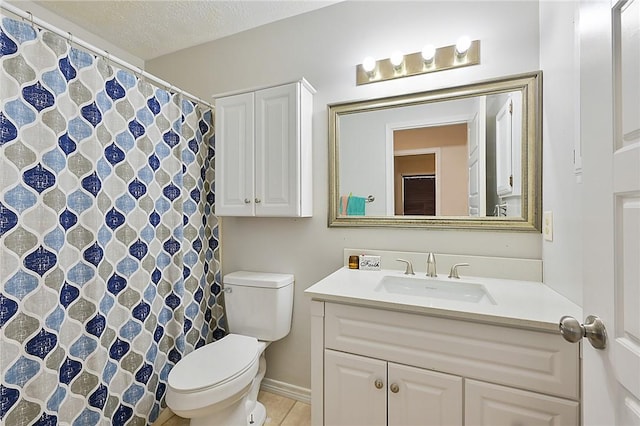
(285,389)
(165,415)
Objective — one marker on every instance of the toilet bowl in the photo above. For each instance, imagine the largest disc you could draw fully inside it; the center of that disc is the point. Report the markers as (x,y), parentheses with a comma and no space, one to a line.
(212,384)
(218,383)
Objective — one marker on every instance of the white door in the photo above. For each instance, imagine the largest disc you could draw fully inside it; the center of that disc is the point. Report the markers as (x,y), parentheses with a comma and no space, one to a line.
(355,390)
(610,133)
(234,156)
(422,397)
(277,151)
(477,160)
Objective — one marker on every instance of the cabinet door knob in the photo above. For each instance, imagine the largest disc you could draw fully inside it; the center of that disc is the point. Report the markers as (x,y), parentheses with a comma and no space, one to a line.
(379,384)
(394,388)
(247,201)
(257,200)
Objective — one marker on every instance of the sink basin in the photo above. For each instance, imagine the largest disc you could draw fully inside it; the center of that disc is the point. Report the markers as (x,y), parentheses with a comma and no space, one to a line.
(450,289)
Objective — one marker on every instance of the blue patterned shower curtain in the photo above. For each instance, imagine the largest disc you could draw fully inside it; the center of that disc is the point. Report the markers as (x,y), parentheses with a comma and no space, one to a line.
(109,258)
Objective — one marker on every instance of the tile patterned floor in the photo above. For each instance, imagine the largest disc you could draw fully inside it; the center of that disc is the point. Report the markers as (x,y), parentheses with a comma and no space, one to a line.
(281,411)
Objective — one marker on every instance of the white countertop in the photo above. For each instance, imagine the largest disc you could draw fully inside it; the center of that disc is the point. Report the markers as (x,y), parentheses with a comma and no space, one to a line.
(524,304)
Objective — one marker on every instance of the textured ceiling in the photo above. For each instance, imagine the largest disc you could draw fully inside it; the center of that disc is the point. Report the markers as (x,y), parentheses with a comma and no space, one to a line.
(152,28)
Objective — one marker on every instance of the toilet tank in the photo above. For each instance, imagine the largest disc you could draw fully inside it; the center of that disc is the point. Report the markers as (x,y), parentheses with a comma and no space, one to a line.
(259,304)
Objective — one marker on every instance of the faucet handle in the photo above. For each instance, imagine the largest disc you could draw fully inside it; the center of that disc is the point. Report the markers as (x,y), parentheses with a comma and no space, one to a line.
(409,268)
(454,270)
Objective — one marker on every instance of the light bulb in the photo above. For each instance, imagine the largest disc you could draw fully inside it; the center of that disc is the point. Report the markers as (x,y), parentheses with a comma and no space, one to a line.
(462,45)
(396,59)
(368,64)
(428,52)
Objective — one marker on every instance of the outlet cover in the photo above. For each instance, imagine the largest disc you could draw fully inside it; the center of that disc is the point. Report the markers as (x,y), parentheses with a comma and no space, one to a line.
(547,225)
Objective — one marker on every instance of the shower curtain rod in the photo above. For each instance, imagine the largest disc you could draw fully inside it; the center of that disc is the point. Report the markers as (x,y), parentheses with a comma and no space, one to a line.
(28,16)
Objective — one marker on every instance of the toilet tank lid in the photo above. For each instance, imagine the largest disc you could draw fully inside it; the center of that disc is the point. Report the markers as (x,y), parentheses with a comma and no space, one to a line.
(258,279)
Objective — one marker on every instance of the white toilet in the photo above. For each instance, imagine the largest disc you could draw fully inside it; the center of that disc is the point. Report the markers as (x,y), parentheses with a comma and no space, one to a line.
(218,383)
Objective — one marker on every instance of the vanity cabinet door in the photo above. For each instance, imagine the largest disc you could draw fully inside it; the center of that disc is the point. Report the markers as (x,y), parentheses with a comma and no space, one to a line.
(423,397)
(355,390)
(492,405)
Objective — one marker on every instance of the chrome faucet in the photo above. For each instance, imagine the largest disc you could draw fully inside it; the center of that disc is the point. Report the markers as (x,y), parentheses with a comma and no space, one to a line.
(431,265)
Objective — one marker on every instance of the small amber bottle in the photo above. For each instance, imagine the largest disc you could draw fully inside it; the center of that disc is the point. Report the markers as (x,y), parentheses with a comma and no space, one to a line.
(353,262)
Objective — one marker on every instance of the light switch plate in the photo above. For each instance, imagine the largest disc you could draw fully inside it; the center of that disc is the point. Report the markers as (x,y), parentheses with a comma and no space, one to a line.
(547,225)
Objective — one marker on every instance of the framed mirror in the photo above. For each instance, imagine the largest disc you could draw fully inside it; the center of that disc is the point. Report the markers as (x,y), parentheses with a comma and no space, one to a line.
(462,157)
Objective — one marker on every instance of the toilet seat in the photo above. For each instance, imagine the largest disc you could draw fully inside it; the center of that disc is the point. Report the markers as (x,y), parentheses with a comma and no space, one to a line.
(215,364)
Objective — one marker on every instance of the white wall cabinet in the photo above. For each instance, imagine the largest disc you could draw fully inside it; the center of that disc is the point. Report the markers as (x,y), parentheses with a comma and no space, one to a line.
(378,367)
(508,155)
(263,152)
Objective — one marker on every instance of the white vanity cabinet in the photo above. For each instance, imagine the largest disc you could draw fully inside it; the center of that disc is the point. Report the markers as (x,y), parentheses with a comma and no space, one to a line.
(263,152)
(374,366)
(379,392)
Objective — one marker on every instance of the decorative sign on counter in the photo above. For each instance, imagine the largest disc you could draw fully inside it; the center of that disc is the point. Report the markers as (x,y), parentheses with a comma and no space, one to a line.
(369,262)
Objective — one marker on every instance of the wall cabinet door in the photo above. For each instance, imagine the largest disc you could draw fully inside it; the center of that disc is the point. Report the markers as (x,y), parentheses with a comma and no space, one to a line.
(277,152)
(509,149)
(235,155)
(263,152)
(355,390)
(493,405)
(504,145)
(422,397)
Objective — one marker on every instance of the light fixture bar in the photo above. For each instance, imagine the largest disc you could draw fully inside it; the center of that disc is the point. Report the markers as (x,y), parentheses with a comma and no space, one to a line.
(414,64)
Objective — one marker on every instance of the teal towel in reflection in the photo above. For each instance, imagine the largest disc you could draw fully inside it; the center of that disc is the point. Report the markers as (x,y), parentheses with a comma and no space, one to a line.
(355,206)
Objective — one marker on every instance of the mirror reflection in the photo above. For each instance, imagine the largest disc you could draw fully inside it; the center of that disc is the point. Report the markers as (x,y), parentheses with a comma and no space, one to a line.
(460,154)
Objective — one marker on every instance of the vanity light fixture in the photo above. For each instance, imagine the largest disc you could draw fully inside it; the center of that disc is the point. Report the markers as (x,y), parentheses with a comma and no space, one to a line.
(428,53)
(464,53)
(462,46)
(397,59)
(369,66)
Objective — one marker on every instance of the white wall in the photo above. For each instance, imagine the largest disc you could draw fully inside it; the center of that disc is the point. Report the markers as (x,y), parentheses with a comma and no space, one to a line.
(324,46)
(562,194)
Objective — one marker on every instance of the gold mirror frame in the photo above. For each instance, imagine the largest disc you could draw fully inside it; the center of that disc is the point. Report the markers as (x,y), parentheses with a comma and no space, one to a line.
(531,86)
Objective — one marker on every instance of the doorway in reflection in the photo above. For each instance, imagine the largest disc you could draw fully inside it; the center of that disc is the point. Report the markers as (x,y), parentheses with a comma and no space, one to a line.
(430,170)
